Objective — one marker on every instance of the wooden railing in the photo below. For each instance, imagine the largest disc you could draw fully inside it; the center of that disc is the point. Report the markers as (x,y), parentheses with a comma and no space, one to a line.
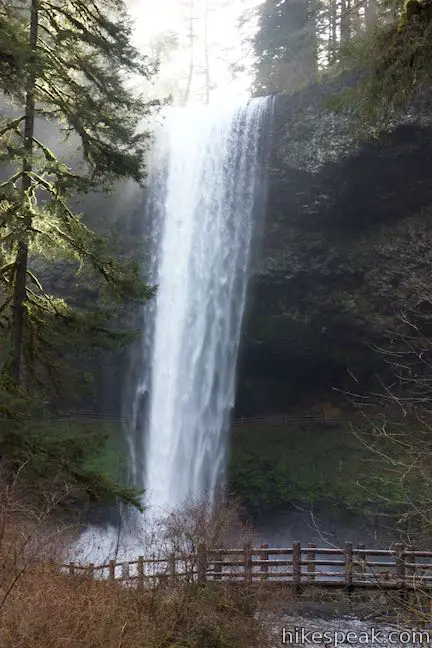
(268,420)
(351,568)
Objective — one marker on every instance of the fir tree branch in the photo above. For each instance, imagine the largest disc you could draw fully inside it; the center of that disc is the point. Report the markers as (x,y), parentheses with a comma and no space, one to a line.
(6,303)
(36,281)
(7,268)
(12,125)
(11,180)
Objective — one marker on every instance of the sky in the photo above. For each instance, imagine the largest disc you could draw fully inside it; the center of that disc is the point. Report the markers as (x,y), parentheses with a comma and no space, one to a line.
(156,17)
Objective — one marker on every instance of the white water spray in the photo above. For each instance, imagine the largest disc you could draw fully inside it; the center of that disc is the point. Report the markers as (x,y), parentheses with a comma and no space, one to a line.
(203,190)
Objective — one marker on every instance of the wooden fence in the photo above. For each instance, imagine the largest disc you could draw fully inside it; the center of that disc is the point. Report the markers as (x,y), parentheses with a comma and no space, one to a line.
(350,568)
(327,415)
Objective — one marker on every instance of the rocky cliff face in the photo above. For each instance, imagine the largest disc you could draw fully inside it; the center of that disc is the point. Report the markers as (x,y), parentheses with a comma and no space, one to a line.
(346,248)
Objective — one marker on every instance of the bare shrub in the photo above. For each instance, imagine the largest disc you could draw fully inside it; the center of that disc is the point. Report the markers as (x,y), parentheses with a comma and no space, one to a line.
(397,430)
(397,426)
(42,607)
(200,526)
(30,533)
(56,611)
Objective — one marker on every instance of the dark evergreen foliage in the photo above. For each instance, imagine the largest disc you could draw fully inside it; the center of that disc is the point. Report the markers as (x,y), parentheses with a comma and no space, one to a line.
(385,44)
(285,45)
(397,62)
(65,69)
(76,68)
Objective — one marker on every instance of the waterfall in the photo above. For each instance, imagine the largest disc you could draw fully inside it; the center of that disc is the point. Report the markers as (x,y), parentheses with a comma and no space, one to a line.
(205,180)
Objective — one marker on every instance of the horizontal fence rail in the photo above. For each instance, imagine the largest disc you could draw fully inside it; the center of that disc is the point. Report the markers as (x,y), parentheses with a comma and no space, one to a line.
(271,420)
(349,567)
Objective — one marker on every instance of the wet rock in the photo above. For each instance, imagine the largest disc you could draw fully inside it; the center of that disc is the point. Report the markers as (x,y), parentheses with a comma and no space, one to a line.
(346,247)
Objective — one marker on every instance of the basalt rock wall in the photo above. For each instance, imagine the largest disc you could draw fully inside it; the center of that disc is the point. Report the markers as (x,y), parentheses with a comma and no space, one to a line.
(346,248)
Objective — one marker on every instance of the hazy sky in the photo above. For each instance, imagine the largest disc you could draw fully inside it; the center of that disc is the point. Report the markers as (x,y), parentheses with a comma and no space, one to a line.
(156,17)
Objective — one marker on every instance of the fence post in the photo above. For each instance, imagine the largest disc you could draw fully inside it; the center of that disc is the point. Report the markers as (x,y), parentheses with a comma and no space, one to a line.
(71,569)
(202,563)
(140,572)
(400,569)
(91,570)
(247,549)
(264,555)
(111,569)
(218,564)
(125,571)
(410,571)
(348,566)
(359,570)
(400,563)
(172,568)
(311,557)
(296,567)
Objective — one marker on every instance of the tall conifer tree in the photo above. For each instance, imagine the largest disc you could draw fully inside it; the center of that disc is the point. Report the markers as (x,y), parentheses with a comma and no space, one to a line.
(285,45)
(67,63)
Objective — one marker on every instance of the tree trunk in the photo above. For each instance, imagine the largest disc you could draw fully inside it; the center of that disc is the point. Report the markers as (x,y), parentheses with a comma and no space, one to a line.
(345,23)
(371,13)
(192,53)
(312,59)
(206,53)
(333,20)
(21,260)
